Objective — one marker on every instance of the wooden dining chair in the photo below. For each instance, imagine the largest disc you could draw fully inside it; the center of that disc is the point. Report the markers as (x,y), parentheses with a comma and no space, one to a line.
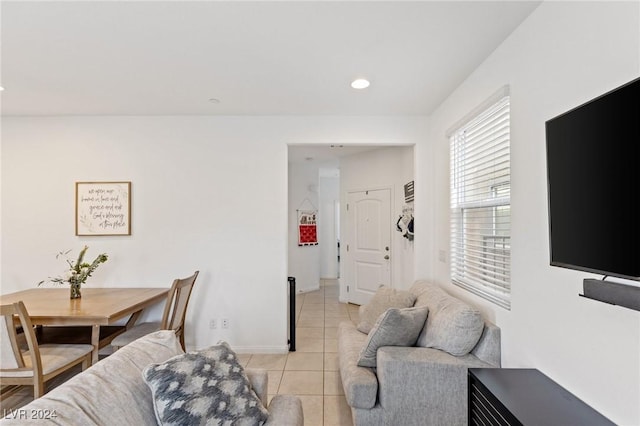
(175,311)
(39,363)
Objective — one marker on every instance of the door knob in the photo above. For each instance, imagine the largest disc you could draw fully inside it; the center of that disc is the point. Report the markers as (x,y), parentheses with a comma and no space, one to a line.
(386,257)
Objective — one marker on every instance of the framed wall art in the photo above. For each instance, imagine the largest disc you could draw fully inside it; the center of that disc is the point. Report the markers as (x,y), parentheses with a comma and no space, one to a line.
(307,228)
(103,208)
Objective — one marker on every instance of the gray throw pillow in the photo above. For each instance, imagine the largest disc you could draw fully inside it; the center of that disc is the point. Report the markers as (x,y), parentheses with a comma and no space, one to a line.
(395,327)
(204,387)
(384,299)
(452,326)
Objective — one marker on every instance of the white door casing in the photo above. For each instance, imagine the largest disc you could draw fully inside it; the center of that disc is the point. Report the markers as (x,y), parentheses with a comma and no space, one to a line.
(368,245)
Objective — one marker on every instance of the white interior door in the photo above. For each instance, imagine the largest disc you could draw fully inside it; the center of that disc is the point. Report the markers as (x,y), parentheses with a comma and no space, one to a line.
(369,243)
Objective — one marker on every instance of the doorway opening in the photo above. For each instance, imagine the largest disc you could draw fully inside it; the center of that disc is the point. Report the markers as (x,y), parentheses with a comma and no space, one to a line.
(323,178)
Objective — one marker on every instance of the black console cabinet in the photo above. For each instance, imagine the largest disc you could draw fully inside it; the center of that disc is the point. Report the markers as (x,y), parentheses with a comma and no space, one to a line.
(504,396)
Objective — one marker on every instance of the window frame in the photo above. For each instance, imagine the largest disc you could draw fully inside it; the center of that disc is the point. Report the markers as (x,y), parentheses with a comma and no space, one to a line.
(480,190)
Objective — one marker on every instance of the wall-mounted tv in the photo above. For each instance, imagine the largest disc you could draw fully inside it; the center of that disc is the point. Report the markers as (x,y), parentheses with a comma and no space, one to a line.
(593,177)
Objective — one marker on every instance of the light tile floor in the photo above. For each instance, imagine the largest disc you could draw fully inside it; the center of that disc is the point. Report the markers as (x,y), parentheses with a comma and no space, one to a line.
(311,372)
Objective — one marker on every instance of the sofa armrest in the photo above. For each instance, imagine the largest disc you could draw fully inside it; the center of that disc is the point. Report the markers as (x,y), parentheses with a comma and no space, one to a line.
(360,384)
(259,383)
(285,410)
(425,379)
(488,347)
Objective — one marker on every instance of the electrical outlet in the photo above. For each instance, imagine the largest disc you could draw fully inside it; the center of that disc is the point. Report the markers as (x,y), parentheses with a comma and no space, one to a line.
(213,324)
(225,322)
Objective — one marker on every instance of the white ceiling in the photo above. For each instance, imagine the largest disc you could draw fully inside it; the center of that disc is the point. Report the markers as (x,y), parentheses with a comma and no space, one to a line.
(257,58)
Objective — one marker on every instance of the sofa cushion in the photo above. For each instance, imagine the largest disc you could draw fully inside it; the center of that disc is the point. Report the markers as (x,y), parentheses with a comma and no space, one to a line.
(452,325)
(395,327)
(384,299)
(418,289)
(360,383)
(208,385)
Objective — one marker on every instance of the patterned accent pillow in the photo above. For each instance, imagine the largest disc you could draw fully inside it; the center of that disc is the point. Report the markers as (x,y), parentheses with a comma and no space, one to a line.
(204,387)
(384,299)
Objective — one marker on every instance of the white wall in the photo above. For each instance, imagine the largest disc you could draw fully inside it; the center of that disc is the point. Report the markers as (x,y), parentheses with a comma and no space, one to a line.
(304,261)
(390,167)
(564,54)
(208,193)
(329,199)
(313,185)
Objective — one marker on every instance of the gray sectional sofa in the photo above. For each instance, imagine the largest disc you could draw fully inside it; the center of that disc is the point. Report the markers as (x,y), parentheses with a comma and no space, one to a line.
(423,384)
(113,391)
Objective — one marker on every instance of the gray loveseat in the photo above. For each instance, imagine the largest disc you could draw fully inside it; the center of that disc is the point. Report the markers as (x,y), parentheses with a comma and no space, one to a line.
(419,385)
(113,392)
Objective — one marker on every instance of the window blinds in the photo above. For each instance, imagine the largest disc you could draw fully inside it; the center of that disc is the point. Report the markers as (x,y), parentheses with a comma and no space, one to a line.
(480,204)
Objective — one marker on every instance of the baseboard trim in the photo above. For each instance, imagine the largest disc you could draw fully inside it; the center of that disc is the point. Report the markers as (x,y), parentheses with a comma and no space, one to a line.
(261,349)
(307,290)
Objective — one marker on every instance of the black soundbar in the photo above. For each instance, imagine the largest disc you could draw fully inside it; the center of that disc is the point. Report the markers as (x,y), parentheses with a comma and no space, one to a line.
(611,292)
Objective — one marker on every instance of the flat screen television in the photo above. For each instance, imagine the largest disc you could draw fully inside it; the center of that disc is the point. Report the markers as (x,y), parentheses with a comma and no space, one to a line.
(593,178)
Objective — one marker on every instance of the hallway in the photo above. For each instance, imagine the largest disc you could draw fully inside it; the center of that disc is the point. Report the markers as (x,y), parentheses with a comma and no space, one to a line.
(312,371)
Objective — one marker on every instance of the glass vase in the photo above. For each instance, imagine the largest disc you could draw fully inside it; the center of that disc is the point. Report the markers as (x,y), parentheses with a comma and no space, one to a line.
(75,291)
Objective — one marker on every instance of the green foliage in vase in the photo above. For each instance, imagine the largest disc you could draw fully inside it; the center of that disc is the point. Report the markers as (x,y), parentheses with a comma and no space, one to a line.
(79,270)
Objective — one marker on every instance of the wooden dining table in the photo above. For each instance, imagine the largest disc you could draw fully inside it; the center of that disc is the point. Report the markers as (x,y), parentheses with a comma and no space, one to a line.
(97,307)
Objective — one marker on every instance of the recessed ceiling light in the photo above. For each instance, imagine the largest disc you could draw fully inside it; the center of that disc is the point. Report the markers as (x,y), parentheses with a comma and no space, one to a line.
(360,83)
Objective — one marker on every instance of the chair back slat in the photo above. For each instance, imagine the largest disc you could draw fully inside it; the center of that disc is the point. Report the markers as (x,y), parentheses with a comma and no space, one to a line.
(178,299)
(10,355)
